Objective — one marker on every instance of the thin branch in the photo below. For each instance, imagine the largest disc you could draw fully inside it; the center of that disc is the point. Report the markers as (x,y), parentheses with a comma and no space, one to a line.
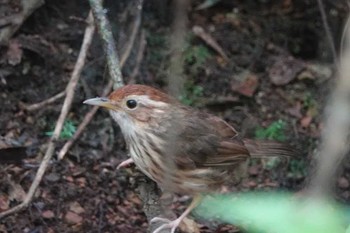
(328,30)
(177,42)
(89,31)
(134,31)
(115,72)
(88,117)
(34,107)
(108,42)
(209,40)
(139,57)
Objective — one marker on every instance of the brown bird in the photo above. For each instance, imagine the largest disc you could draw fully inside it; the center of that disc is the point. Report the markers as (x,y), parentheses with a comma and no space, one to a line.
(184,150)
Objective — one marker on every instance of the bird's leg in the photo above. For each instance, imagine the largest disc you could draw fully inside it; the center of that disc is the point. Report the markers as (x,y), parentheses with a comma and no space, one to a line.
(168,224)
(125,163)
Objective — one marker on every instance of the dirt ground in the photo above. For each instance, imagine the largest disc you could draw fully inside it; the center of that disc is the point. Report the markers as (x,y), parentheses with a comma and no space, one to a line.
(273,85)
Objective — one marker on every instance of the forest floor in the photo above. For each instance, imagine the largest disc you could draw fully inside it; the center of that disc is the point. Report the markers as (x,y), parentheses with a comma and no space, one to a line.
(273,85)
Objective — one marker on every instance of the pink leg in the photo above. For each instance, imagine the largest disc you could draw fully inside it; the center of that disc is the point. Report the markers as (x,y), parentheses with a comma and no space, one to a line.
(175,223)
(125,163)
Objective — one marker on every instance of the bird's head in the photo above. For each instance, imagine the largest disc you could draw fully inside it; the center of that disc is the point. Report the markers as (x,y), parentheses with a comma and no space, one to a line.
(134,106)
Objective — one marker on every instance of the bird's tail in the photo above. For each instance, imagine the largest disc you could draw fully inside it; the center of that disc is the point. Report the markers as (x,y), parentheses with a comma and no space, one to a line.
(261,148)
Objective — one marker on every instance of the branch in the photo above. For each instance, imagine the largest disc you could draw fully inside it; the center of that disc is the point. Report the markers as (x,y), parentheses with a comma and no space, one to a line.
(104,29)
(139,57)
(34,107)
(89,31)
(88,117)
(147,190)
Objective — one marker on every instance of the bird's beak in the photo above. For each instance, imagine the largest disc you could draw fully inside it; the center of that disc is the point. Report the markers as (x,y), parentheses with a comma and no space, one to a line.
(102,102)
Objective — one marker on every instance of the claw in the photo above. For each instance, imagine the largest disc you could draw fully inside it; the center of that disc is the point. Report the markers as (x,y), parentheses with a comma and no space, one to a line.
(125,163)
(168,224)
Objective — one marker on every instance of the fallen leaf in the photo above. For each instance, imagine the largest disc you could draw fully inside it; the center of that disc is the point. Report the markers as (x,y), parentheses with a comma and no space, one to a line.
(305,121)
(3,228)
(73,218)
(81,181)
(189,225)
(4,203)
(50,230)
(306,74)
(285,69)
(76,208)
(14,52)
(253,170)
(69,179)
(295,110)
(252,184)
(48,214)
(246,84)
(16,191)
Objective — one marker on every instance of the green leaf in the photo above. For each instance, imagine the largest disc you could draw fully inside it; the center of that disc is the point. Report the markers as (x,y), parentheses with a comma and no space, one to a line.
(275,131)
(67,131)
(275,213)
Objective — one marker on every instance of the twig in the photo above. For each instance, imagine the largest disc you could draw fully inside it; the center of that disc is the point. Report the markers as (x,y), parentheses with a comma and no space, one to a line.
(207,38)
(139,57)
(109,46)
(14,22)
(177,42)
(115,72)
(328,30)
(88,117)
(134,31)
(43,103)
(89,31)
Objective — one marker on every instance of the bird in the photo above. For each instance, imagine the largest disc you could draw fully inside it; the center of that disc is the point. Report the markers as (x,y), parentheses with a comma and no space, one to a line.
(184,150)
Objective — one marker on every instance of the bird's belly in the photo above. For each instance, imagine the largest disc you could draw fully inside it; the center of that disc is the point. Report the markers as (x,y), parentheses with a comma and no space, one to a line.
(176,180)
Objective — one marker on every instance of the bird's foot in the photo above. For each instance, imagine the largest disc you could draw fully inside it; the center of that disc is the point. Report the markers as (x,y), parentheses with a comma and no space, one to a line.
(167,224)
(125,163)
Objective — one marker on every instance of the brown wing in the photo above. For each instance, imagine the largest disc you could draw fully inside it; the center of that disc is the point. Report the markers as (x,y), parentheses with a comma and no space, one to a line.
(206,140)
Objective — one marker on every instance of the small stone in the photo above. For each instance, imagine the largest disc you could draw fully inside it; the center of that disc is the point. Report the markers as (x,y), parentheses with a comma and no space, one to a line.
(52,177)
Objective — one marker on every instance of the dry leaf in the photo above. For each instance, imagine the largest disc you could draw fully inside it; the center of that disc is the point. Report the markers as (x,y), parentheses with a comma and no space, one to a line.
(189,226)
(16,191)
(73,218)
(4,203)
(247,84)
(305,121)
(14,52)
(76,208)
(48,214)
(285,69)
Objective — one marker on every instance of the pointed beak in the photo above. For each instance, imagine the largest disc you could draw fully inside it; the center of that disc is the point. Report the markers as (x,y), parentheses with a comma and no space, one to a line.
(102,102)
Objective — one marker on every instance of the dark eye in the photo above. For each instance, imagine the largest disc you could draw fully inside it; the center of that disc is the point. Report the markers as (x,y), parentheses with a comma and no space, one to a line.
(131,104)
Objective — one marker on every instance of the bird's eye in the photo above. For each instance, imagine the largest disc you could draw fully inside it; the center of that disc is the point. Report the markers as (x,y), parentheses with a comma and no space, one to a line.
(131,104)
